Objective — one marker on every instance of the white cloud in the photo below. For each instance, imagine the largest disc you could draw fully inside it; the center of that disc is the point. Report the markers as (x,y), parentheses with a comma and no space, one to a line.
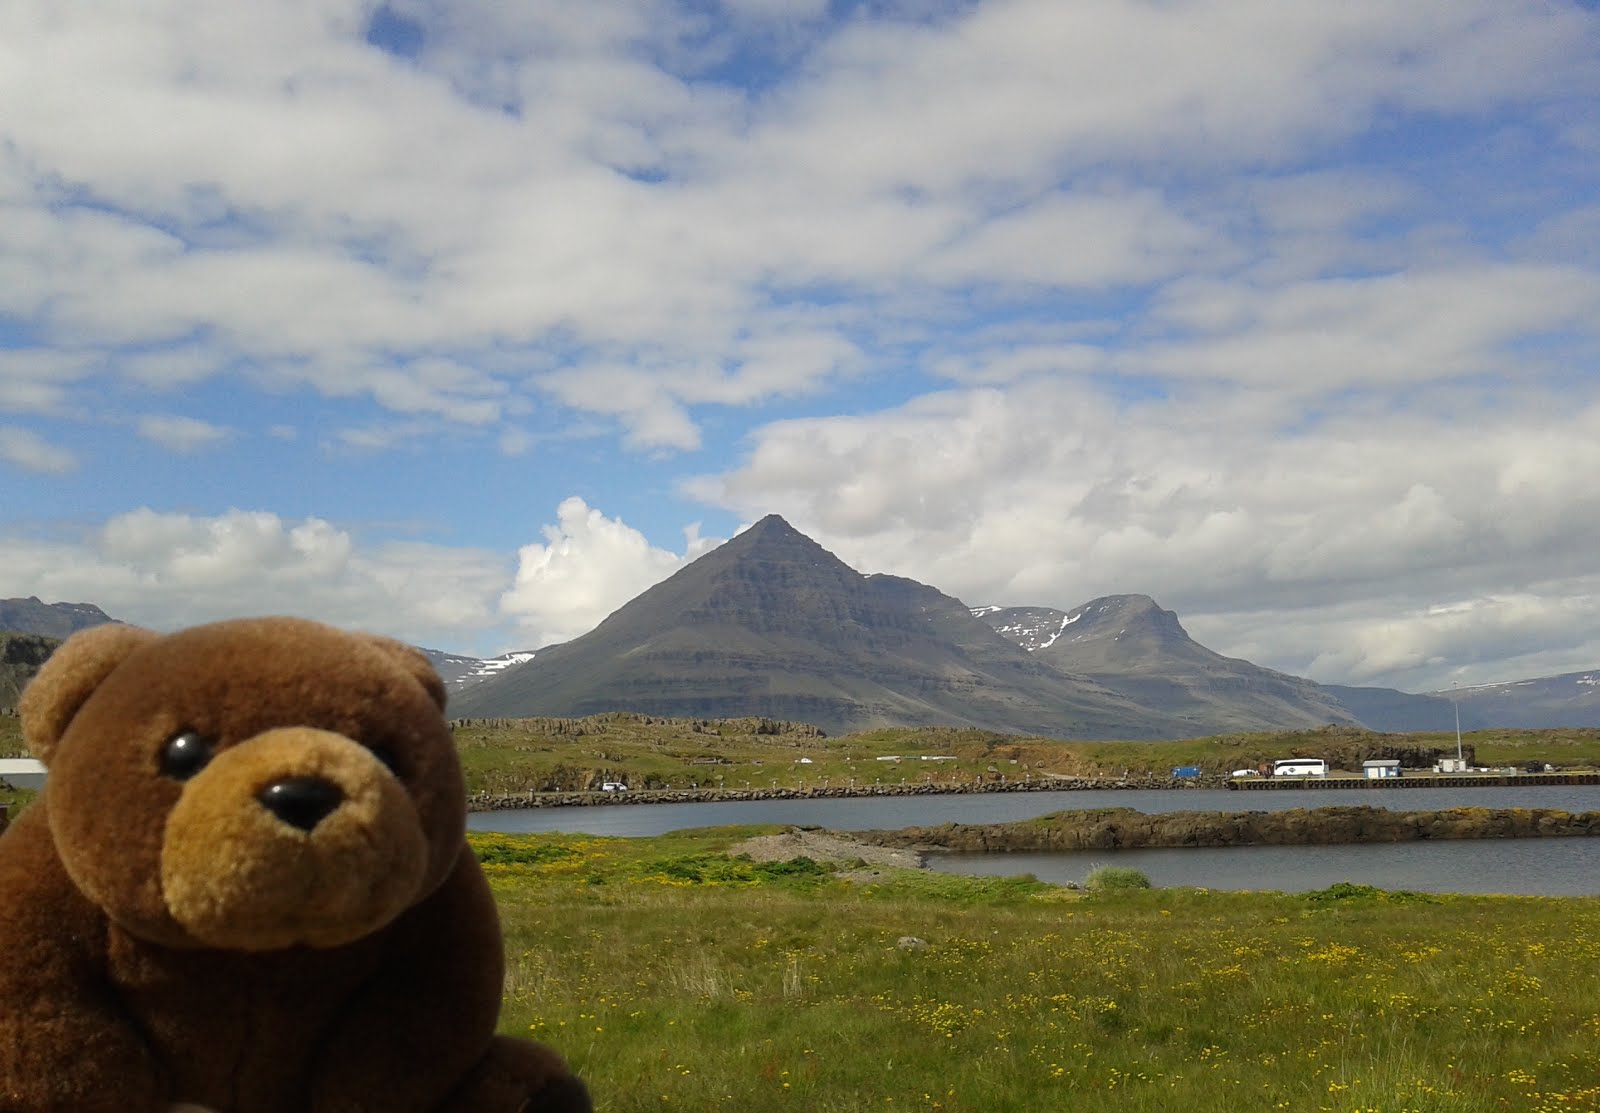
(167,570)
(39,380)
(380,436)
(182,434)
(31,452)
(245,191)
(1234,331)
(1016,91)
(1327,199)
(1324,335)
(588,566)
(652,417)
(1016,361)
(1252,522)
(170,570)
(1082,241)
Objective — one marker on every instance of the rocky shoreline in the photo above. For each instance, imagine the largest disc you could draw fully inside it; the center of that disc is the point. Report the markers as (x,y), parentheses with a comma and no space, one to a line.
(489,802)
(1124,828)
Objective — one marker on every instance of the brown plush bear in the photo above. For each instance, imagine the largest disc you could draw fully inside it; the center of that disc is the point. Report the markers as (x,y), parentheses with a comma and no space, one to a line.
(246,887)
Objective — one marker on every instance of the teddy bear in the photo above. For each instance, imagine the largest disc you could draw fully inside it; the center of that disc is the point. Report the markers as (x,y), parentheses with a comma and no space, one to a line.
(246,887)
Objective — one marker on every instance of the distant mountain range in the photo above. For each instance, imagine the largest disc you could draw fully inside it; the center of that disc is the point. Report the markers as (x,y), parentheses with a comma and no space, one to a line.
(1129,644)
(771,624)
(53,620)
(459,672)
(1571,699)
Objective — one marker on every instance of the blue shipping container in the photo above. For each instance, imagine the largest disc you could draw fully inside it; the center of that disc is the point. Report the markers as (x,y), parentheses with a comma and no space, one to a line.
(1186,771)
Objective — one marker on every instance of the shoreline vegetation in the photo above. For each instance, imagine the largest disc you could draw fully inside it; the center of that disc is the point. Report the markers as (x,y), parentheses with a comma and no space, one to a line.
(703,758)
(697,971)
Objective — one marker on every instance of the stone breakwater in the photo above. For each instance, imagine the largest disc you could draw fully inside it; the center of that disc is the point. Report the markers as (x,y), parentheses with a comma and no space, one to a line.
(489,802)
(1124,828)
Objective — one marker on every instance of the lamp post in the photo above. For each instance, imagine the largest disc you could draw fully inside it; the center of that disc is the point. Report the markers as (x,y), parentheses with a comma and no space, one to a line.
(1461,764)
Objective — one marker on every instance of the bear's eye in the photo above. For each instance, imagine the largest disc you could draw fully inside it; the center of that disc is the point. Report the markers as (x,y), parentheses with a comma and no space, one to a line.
(185,755)
(386,755)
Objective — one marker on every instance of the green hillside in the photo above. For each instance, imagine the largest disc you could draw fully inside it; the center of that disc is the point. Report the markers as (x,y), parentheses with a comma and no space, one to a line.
(531,755)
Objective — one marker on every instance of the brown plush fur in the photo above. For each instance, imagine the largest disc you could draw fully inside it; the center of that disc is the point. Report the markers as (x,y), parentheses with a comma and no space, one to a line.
(166,938)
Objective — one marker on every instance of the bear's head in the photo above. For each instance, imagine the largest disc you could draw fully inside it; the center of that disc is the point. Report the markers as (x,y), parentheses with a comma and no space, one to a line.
(250,785)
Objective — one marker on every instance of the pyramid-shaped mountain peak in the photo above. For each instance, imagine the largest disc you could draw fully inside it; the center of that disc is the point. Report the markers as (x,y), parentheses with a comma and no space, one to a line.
(772,624)
(771,533)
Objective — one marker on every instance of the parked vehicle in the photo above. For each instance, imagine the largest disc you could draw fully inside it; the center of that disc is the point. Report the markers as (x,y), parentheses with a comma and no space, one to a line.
(1300,767)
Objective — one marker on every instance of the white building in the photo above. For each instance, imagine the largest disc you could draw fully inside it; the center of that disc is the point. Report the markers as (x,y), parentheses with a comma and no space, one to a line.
(22,772)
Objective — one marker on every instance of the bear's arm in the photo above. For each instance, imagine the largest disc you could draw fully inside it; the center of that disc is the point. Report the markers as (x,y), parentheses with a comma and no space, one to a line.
(425,1022)
(66,1045)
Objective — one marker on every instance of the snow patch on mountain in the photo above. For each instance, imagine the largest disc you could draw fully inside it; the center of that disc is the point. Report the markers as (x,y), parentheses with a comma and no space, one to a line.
(460,672)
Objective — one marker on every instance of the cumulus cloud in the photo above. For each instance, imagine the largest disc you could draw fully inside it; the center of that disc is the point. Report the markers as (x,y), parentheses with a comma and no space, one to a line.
(1305,545)
(168,570)
(237,195)
(1082,241)
(1393,330)
(1307,331)
(587,567)
(31,452)
(182,434)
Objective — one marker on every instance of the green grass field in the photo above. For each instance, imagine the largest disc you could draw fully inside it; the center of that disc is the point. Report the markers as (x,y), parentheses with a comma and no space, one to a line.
(522,755)
(512,756)
(676,977)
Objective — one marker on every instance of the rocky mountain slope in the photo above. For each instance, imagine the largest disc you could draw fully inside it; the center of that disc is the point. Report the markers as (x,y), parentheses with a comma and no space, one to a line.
(53,620)
(1129,644)
(460,672)
(1388,709)
(1571,699)
(772,624)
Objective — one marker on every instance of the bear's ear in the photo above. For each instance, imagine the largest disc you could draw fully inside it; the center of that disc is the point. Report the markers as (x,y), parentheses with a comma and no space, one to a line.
(69,677)
(414,661)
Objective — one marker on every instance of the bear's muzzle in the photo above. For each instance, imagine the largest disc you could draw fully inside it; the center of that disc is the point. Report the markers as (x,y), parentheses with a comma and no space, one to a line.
(297,836)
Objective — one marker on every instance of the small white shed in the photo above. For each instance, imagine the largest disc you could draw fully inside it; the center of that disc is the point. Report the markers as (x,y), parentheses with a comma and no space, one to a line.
(1380,768)
(22,772)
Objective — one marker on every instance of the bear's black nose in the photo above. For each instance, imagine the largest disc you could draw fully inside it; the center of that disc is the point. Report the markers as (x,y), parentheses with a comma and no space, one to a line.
(301,802)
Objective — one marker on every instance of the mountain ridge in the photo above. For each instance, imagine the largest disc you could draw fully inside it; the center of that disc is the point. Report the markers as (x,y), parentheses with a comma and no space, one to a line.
(772,624)
(1132,645)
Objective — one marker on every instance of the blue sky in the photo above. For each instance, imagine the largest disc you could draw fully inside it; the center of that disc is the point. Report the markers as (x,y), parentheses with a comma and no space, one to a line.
(466,321)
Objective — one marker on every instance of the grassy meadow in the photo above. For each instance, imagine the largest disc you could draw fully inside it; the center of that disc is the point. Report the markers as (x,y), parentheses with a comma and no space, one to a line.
(677,977)
(514,756)
(522,755)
